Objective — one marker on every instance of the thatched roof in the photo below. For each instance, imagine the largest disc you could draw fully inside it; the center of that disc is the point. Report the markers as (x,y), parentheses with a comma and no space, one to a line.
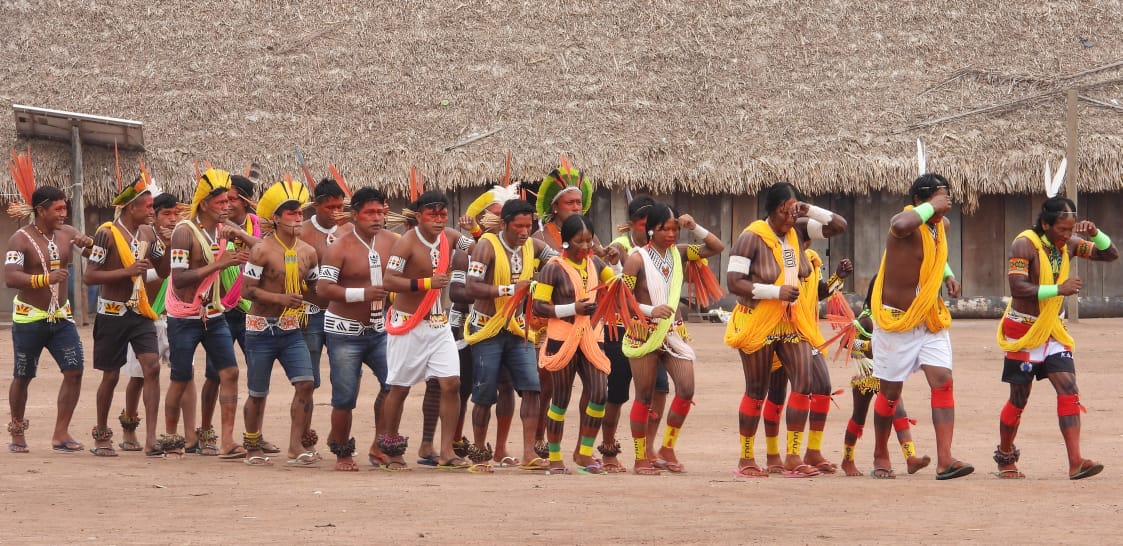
(703,96)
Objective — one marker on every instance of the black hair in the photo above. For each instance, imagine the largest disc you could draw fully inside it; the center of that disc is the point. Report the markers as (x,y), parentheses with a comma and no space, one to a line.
(925,186)
(164,201)
(515,207)
(1051,211)
(242,185)
(779,193)
(328,188)
(45,195)
(573,225)
(640,207)
(365,195)
(869,291)
(286,206)
(659,214)
(429,199)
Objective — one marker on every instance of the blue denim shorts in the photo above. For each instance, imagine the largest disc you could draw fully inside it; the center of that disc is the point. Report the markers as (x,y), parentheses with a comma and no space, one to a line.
(274,344)
(505,350)
(314,339)
(236,322)
(185,334)
(60,338)
(346,356)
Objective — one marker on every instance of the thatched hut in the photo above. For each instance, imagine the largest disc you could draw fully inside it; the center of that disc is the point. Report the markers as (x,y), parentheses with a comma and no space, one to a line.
(709,101)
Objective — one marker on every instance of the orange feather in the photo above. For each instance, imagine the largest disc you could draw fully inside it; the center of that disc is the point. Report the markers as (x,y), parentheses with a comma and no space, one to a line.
(507,172)
(416,186)
(339,179)
(117,164)
(23,174)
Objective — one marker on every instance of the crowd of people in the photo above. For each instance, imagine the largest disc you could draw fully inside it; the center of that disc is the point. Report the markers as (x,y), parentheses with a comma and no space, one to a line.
(513,302)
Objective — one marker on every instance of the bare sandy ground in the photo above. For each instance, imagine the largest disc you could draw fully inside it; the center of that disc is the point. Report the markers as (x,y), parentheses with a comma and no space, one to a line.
(53,498)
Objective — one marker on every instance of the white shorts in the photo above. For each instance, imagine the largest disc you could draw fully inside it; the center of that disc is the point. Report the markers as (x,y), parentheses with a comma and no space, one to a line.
(132,365)
(897,355)
(424,352)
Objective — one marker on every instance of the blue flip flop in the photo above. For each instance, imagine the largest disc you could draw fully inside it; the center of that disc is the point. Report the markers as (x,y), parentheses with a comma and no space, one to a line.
(69,446)
(427,461)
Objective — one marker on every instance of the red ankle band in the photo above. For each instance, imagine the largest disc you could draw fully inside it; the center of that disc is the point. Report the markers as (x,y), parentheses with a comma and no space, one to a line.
(901,423)
(1068,404)
(820,403)
(854,429)
(640,412)
(943,396)
(1011,415)
(681,406)
(799,402)
(750,406)
(772,411)
(883,407)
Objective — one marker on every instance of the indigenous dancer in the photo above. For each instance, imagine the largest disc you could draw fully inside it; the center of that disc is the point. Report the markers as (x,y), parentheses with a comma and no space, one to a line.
(562,193)
(499,275)
(35,265)
(198,256)
(328,223)
(1033,334)
(481,215)
(863,387)
(166,209)
(774,318)
(573,345)
(656,271)
(420,343)
(634,236)
(351,279)
(778,379)
(911,321)
(125,251)
(281,269)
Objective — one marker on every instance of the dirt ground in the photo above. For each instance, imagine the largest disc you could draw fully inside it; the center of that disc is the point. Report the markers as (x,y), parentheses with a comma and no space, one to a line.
(54,498)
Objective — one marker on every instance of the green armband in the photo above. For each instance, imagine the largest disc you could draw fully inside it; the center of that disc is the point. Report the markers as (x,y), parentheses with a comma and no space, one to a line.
(948,272)
(1046,291)
(1102,241)
(925,211)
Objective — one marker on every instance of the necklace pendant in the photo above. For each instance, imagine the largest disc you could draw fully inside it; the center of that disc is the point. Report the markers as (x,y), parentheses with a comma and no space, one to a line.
(435,256)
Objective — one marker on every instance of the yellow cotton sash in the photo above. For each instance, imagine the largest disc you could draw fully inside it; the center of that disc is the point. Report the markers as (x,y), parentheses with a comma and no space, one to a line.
(927,307)
(579,333)
(501,276)
(127,259)
(749,329)
(1048,322)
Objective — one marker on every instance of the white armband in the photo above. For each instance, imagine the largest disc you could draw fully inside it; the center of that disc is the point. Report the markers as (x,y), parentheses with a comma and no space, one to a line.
(739,264)
(151,275)
(763,291)
(458,277)
(97,255)
(14,257)
(700,232)
(566,310)
(181,258)
(463,243)
(506,290)
(476,269)
(646,309)
(820,214)
(252,271)
(313,274)
(354,295)
(330,273)
(815,230)
(547,253)
(396,263)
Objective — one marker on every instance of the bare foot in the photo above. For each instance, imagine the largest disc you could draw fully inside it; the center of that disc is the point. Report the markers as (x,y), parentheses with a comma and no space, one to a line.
(815,458)
(917,463)
(670,460)
(644,467)
(775,461)
(850,468)
(346,464)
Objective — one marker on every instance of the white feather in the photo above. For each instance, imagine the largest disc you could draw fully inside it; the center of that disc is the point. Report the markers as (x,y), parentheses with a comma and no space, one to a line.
(1048,178)
(153,188)
(921,157)
(1059,178)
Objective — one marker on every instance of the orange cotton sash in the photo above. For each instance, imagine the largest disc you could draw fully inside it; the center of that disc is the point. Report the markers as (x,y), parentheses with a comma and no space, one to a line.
(579,333)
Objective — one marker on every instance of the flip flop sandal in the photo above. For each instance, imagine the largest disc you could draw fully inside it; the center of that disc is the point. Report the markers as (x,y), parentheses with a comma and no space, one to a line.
(1010,474)
(395,466)
(236,452)
(307,458)
(882,473)
(1088,469)
(427,461)
(155,453)
(257,460)
(591,470)
(801,471)
(69,446)
(17,448)
(481,468)
(953,471)
(563,471)
(130,445)
(104,452)
(750,471)
(537,464)
(508,461)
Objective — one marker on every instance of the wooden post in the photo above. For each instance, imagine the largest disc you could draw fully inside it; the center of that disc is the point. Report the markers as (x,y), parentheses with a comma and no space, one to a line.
(1072,153)
(77,201)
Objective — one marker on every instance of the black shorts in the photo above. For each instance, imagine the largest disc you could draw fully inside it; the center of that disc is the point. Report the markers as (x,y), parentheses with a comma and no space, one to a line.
(113,334)
(1013,373)
(620,378)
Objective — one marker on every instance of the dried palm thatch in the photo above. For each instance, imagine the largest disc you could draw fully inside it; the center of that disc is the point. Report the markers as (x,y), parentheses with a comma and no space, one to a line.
(706,96)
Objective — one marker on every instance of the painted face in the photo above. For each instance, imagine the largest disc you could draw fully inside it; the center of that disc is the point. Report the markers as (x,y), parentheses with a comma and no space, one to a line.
(783,218)
(53,213)
(518,229)
(289,220)
(219,206)
(580,246)
(432,219)
(666,235)
(568,204)
(1061,231)
(141,211)
(371,217)
(639,230)
(238,207)
(327,209)
(167,218)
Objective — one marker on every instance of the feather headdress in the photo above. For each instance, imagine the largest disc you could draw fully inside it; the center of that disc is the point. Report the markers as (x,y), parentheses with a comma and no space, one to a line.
(23,174)
(563,179)
(210,181)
